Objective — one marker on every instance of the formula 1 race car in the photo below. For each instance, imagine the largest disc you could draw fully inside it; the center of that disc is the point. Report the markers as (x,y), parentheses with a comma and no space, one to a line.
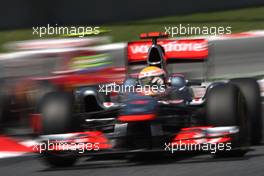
(43,66)
(86,123)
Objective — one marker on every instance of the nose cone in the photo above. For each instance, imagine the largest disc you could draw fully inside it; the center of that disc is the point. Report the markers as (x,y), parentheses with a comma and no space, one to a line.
(155,56)
(141,105)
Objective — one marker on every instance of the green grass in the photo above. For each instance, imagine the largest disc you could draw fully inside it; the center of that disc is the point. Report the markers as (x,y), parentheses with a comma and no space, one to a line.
(239,20)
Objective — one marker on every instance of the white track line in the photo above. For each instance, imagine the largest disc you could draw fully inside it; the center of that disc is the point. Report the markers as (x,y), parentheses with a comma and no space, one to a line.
(12,154)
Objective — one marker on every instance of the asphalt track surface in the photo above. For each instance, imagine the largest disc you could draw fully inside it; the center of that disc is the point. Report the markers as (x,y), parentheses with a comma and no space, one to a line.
(251,164)
(234,57)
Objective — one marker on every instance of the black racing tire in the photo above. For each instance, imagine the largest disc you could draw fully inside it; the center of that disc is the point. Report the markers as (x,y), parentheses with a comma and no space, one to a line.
(225,106)
(59,159)
(251,91)
(56,117)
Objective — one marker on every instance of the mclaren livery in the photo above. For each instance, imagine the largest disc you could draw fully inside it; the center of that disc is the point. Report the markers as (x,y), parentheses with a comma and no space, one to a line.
(161,112)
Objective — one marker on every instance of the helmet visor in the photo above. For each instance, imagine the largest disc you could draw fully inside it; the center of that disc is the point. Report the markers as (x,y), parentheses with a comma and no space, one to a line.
(146,81)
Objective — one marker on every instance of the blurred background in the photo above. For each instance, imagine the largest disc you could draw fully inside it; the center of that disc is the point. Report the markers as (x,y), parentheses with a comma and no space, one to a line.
(127,18)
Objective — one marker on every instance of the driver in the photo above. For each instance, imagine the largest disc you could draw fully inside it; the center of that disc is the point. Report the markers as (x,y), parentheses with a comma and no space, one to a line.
(152,80)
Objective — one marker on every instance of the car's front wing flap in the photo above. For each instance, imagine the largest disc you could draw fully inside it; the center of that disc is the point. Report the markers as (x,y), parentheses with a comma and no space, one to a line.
(91,142)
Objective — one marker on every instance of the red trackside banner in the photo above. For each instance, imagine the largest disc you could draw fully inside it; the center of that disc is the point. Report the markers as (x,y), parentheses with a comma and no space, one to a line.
(195,49)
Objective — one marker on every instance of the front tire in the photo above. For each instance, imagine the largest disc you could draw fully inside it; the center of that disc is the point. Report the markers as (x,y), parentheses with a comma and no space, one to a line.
(251,91)
(59,159)
(225,106)
(56,114)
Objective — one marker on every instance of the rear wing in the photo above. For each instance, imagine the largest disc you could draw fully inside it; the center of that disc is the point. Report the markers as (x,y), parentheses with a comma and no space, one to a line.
(180,50)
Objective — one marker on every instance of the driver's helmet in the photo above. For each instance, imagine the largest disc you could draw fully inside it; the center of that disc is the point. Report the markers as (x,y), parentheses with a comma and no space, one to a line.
(153,78)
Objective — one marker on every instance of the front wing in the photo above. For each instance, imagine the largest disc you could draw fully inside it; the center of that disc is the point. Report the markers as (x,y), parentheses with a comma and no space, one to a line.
(92,143)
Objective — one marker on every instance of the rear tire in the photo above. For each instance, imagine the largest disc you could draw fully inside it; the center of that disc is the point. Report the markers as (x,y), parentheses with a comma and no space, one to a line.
(251,91)
(225,106)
